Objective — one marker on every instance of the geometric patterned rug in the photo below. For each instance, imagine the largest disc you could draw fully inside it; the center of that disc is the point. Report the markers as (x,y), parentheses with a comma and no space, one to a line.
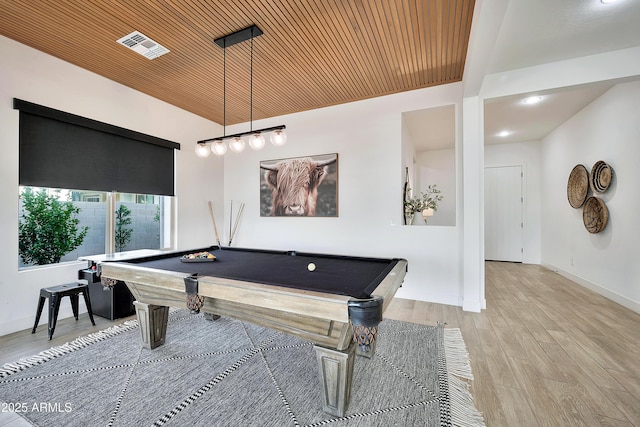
(233,373)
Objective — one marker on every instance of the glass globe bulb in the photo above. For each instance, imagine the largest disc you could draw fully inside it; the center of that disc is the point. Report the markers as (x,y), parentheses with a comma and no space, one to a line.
(219,148)
(237,144)
(202,150)
(256,141)
(278,138)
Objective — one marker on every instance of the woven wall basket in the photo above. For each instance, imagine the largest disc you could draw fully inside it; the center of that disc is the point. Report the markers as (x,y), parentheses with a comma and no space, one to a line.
(578,186)
(595,215)
(601,175)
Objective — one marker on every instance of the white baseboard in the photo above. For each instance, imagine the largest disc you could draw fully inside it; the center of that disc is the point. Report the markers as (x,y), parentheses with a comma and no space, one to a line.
(607,293)
(474,306)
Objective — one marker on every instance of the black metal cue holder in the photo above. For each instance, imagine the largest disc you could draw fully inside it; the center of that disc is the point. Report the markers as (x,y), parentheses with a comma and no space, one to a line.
(111,303)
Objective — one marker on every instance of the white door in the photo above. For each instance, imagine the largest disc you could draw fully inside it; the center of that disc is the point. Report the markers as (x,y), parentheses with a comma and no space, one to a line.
(503,213)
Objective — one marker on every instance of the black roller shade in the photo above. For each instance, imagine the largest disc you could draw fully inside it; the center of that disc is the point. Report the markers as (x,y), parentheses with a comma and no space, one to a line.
(62,150)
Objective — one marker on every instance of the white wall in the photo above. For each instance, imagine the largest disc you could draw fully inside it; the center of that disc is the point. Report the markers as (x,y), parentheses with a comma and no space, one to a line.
(367,137)
(439,167)
(36,77)
(606,262)
(527,155)
(608,129)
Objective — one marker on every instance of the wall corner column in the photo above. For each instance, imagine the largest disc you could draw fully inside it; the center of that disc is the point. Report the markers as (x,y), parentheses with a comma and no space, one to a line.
(472,273)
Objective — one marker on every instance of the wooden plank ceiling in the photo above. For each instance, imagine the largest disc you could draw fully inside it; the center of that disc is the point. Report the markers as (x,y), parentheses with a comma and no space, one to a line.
(313,53)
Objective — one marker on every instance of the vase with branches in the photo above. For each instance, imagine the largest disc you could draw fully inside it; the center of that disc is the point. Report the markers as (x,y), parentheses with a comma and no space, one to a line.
(427,200)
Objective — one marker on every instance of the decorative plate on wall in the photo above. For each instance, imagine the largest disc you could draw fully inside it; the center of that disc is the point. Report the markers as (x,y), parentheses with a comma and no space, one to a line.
(601,175)
(595,215)
(578,186)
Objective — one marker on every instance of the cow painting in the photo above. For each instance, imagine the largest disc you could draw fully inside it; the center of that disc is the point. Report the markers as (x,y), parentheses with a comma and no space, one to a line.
(291,187)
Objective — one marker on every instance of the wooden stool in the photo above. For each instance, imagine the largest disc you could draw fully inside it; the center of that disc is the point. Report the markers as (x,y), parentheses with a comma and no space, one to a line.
(55,294)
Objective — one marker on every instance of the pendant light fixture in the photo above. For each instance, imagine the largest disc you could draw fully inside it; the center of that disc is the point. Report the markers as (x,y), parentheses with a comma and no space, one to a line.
(219,148)
(278,138)
(256,141)
(202,150)
(236,141)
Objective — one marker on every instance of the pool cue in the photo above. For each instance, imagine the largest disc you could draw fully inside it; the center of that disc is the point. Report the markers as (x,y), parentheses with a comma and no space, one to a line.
(235,226)
(215,228)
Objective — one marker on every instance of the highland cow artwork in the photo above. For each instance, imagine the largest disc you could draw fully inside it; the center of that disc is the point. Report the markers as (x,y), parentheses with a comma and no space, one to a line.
(300,186)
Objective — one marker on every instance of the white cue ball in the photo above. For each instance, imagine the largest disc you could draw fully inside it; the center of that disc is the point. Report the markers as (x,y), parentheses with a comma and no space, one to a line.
(311,266)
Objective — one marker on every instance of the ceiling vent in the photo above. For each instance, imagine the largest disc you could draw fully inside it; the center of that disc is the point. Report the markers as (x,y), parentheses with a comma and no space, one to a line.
(142,44)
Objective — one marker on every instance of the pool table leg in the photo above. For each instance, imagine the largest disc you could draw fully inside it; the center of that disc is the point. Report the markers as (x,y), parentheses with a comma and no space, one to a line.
(153,323)
(336,374)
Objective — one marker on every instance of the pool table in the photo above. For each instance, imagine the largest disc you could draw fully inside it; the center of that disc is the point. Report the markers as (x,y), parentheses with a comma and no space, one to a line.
(337,305)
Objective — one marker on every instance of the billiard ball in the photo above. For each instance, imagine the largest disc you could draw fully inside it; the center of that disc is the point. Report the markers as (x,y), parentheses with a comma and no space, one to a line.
(311,266)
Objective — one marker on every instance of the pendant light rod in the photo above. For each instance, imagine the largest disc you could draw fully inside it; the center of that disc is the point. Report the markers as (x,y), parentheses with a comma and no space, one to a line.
(251,83)
(241,134)
(224,89)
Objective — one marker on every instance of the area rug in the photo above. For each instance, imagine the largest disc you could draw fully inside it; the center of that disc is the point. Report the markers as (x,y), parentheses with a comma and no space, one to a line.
(233,373)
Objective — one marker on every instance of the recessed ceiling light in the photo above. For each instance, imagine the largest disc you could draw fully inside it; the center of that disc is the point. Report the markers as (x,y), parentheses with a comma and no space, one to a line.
(608,1)
(504,133)
(532,100)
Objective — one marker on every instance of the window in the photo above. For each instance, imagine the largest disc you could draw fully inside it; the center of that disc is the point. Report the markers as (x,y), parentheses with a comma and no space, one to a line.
(140,221)
(116,182)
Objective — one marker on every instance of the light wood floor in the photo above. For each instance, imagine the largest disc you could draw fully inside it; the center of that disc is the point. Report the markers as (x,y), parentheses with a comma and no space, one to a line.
(545,352)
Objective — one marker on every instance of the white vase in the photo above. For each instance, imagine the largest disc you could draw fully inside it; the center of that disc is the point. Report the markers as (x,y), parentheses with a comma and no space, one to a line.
(408,218)
(418,219)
